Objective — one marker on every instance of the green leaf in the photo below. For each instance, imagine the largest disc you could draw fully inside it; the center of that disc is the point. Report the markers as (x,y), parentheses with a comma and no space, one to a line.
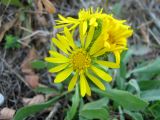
(12,2)
(149,84)
(140,50)
(101,114)
(124,98)
(135,85)
(121,113)
(155,110)
(126,55)
(151,95)
(75,103)
(26,111)
(46,90)
(134,115)
(11,42)
(38,64)
(121,73)
(50,65)
(116,9)
(82,118)
(96,104)
(95,110)
(98,30)
(150,68)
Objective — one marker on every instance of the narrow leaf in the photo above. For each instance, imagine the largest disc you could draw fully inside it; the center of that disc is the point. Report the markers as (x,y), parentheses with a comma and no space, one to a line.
(151,95)
(95,110)
(124,98)
(46,90)
(38,64)
(75,103)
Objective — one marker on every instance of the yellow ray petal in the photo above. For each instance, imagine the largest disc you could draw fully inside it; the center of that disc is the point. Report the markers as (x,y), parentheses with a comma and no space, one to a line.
(59,45)
(81,36)
(117,56)
(64,41)
(74,26)
(73,82)
(125,34)
(119,48)
(73,20)
(108,64)
(85,26)
(88,90)
(82,85)
(61,25)
(58,68)
(63,18)
(100,52)
(56,54)
(95,81)
(99,43)
(92,21)
(69,37)
(63,75)
(103,75)
(89,36)
(56,60)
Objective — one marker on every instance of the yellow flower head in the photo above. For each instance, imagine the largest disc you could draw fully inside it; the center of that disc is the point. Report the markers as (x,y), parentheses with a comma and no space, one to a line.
(99,33)
(79,62)
(117,33)
(84,17)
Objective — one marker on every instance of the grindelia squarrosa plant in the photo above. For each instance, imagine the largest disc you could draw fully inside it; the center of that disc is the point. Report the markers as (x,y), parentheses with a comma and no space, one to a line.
(85,48)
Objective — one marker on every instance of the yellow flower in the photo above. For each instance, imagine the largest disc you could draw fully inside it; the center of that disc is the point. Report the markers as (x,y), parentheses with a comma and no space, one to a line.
(118,33)
(81,62)
(115,31)
(84,16)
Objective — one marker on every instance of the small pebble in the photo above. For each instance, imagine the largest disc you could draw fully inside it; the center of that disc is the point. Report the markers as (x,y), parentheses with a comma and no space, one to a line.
(1,99)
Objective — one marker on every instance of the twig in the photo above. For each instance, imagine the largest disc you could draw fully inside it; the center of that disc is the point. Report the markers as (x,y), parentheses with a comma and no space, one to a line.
(54,110)
(43,33)
(13,71)
(155,37)
(156,20)
(1,17)
(25,29)
(151,14)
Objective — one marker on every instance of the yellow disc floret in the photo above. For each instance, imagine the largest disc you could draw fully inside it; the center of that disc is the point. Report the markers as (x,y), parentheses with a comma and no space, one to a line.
(80,60)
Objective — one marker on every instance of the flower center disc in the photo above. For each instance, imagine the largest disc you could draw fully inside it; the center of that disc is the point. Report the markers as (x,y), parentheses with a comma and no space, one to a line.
(80,59)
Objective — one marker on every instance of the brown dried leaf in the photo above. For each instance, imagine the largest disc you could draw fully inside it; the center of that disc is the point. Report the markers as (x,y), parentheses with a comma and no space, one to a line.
(35,100)
(28,71)
(7,113)
(49,6)
(26,64)
(32,80)
(26,100)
